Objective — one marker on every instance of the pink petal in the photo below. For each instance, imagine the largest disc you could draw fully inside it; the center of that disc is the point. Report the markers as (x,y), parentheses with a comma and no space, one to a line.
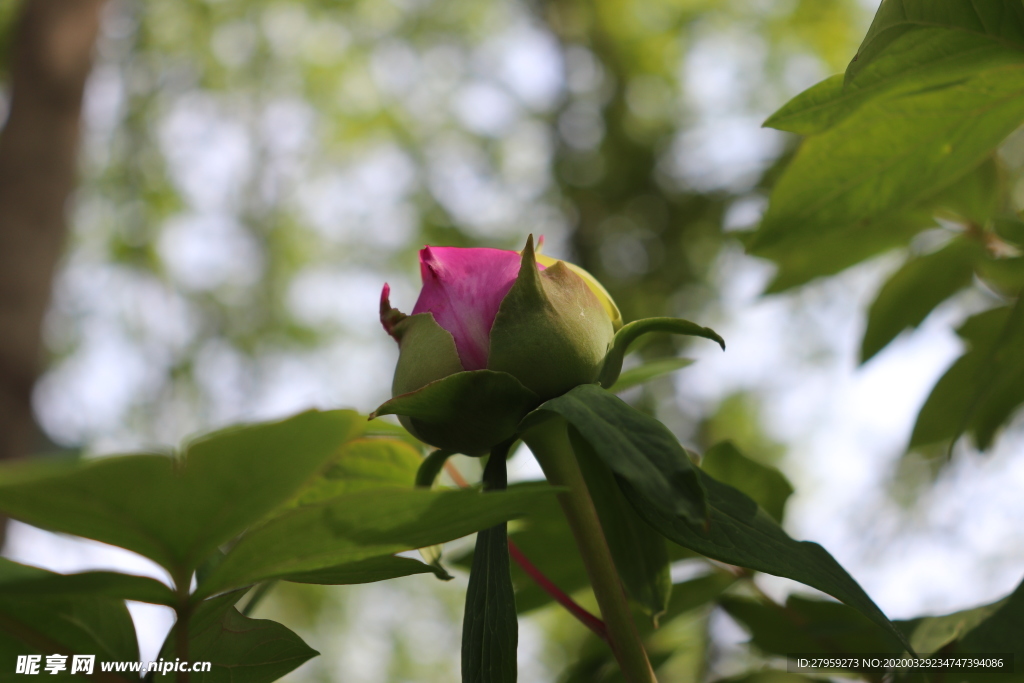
(462,288)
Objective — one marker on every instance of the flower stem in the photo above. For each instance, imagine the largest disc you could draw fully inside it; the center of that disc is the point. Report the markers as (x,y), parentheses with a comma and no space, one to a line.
(585,617)
(531,570)
(549,442)
(183,614)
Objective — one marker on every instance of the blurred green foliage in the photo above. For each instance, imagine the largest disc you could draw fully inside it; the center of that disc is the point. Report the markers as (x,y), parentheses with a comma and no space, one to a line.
(253,170)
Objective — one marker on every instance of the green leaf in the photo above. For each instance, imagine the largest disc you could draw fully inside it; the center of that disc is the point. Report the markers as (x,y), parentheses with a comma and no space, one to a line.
(363,525)
(907,298)
(931,634)
(635,446)
(178,511)
(811,626)
(741,533)
(766,485)
(596,661)
(1011,229)
(468,412)
(802,257)
(490,627)
(597,665)
(770,676)
(639,552)
(983,388)
(698,592)
(917,60)
(1002,632)
(368,571)
(363,464)
(648,371)
(394,431)
(61,623)
(425,476)
(891,154)
(106,584)
(634,330)
(240,649)
(997,21)
(974,199)
(1005,274)
(814,110)
(205,614)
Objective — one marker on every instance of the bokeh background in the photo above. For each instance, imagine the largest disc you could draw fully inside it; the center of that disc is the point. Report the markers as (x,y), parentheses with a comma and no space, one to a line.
(252,171)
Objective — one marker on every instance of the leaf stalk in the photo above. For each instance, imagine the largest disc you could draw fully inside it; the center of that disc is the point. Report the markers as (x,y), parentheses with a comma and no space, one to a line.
(183,614)
(549,441)
(547,585)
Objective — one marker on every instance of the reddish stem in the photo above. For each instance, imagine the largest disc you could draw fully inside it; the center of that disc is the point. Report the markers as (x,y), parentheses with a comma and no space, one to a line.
(586,618)
(454,473)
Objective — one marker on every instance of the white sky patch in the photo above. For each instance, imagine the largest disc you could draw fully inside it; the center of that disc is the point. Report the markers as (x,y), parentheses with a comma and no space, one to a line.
(206,251)
(71,554)
(530,64)
(461,178)
(210,154)
(725,153)
(364,202)
(341,296)
(395,67)
(484,108)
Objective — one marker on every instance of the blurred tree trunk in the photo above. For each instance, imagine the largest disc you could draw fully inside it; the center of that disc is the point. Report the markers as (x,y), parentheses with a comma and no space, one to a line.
(52,54)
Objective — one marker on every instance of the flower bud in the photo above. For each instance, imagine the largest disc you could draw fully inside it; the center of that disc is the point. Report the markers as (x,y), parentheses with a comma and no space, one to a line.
(548,325)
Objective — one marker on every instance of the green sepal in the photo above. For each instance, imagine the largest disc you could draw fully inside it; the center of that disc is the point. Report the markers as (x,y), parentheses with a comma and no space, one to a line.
(426,352)
(468,412)
(596,287)
(431,467)
(551,332)
(631,332)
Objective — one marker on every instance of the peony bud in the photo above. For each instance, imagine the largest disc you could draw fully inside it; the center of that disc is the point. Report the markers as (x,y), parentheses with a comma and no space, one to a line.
(548,325)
